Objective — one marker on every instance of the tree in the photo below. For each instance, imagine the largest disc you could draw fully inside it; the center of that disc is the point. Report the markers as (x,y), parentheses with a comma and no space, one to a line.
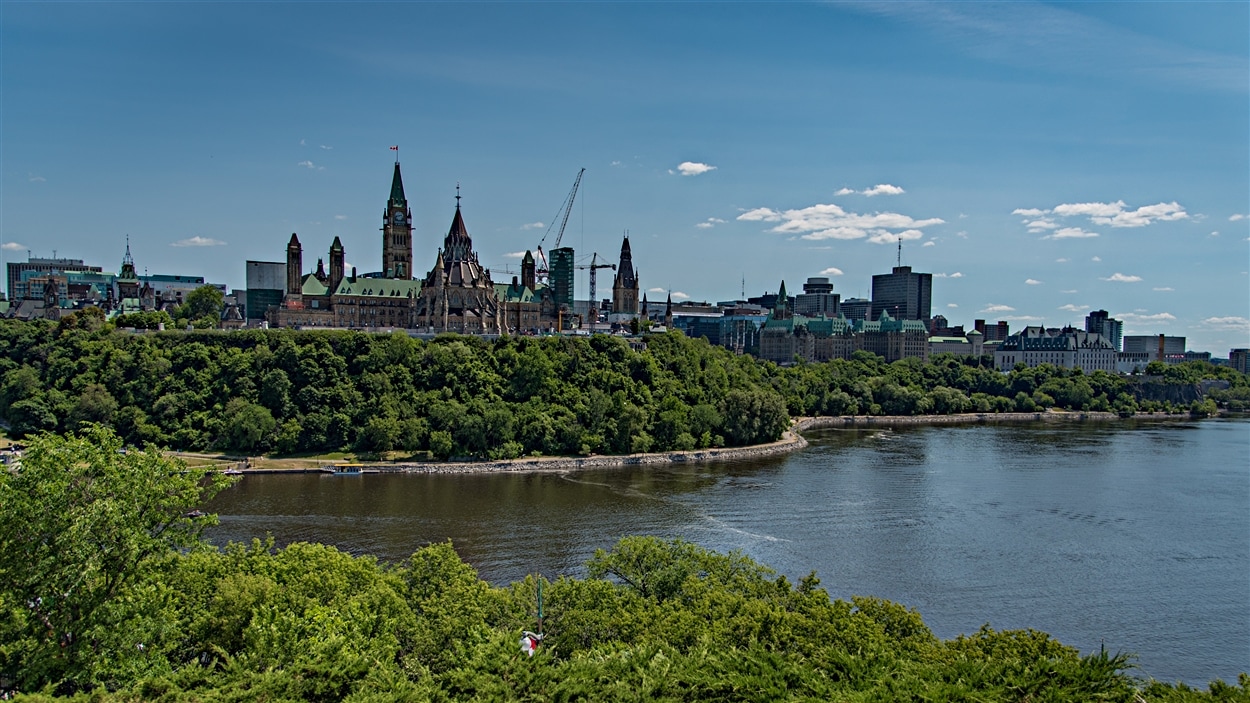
(248,426)
(80,517)
(203,302)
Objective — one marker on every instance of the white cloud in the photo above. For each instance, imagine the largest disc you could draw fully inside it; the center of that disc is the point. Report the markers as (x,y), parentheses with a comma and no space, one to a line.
(1096,258)
(1163,289)
(327,148)
(1142,216)
(514,255)
(198,241)
(1061,260)
(1236,216)
(1122,278)
(1070,291)
(1021,318)
(311,166)
(1071,233)
(1089,209)
(35,179)
(710,222)
(951,305)
(998,308)
(615,163)
(831,271)
(705,225)
(1214,234)
(828,221)
(929,243)
(1032,282)
(961,234)
(1237,324)
(533,225)
(892,237)
(301,142)
(679,295)
(957,274)
(657,290)
(13,246)
(692,168)
(883,189)
(760,214)
(340,217)
(879,189)
(1135,317)
(1113,214)
(1073,307)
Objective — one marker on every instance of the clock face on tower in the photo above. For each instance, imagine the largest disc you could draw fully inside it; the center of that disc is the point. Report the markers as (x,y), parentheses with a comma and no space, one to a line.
(398,218)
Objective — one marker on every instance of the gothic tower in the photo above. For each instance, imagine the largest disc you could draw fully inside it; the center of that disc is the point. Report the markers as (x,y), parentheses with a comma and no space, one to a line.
(397,232)
(529,278)
(336,265)
(625,287)
(294,265)
(128,277)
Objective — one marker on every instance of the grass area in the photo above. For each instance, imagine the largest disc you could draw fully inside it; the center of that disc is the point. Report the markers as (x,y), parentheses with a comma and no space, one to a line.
(295,461)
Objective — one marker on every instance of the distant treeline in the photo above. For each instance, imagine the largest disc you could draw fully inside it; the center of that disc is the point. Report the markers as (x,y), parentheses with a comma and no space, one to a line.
(309,392)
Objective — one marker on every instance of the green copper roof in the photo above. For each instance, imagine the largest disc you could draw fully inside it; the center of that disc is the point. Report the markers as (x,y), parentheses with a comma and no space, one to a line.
(397,187)
(379,287)
(313,286)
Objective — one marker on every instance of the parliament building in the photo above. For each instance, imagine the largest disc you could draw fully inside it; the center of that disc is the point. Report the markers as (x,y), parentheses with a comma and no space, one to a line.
(456,295)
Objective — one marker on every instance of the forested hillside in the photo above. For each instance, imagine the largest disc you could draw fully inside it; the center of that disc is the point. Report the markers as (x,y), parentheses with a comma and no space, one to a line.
(307,392)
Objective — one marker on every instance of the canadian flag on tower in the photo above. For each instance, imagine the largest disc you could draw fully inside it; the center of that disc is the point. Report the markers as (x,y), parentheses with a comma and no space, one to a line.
(395,148)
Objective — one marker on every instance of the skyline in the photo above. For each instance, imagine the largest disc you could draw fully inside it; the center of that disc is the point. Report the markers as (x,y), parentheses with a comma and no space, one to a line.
(1042,161)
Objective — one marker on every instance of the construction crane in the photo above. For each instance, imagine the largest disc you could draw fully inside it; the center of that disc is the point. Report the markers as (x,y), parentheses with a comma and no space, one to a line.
(542,270)
(594,265)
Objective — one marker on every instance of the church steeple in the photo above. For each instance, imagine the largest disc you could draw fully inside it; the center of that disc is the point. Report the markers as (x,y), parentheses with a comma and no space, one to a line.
(397,232)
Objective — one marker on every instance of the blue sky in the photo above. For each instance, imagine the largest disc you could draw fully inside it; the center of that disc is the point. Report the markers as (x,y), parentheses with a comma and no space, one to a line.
(1041,160)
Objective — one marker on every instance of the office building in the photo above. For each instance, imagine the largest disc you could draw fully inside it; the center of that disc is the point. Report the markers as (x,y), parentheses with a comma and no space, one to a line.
(817,298)
(902,293)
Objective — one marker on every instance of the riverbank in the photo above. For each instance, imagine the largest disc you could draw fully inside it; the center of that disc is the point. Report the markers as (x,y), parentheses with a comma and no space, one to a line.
(791,440)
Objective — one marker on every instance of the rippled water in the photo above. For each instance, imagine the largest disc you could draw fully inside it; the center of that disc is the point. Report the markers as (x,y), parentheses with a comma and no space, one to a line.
(1136,535)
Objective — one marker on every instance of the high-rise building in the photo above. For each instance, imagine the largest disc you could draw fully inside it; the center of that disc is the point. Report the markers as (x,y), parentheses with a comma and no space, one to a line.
(903,294)
(625,285)
(1239,359)
(1099,322)
(817,298)
(856,308)
(266,283)
(562,276)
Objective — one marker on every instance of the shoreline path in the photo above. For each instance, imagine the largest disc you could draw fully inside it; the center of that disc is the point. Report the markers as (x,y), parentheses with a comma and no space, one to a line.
(791,440)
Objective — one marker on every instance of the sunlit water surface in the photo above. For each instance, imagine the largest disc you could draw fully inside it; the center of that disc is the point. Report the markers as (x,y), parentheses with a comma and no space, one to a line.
(1132,535)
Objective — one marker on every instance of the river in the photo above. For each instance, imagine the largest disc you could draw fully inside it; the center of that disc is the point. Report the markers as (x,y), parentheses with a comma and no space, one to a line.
(1132,535)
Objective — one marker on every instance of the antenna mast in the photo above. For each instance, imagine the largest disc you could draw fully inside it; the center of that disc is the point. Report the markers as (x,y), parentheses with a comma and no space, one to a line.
(900,252)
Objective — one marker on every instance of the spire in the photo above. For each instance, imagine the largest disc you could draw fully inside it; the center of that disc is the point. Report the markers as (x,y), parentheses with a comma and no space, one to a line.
(458,245)
(336,245)
(128,263)
(294,242)
(397,188)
